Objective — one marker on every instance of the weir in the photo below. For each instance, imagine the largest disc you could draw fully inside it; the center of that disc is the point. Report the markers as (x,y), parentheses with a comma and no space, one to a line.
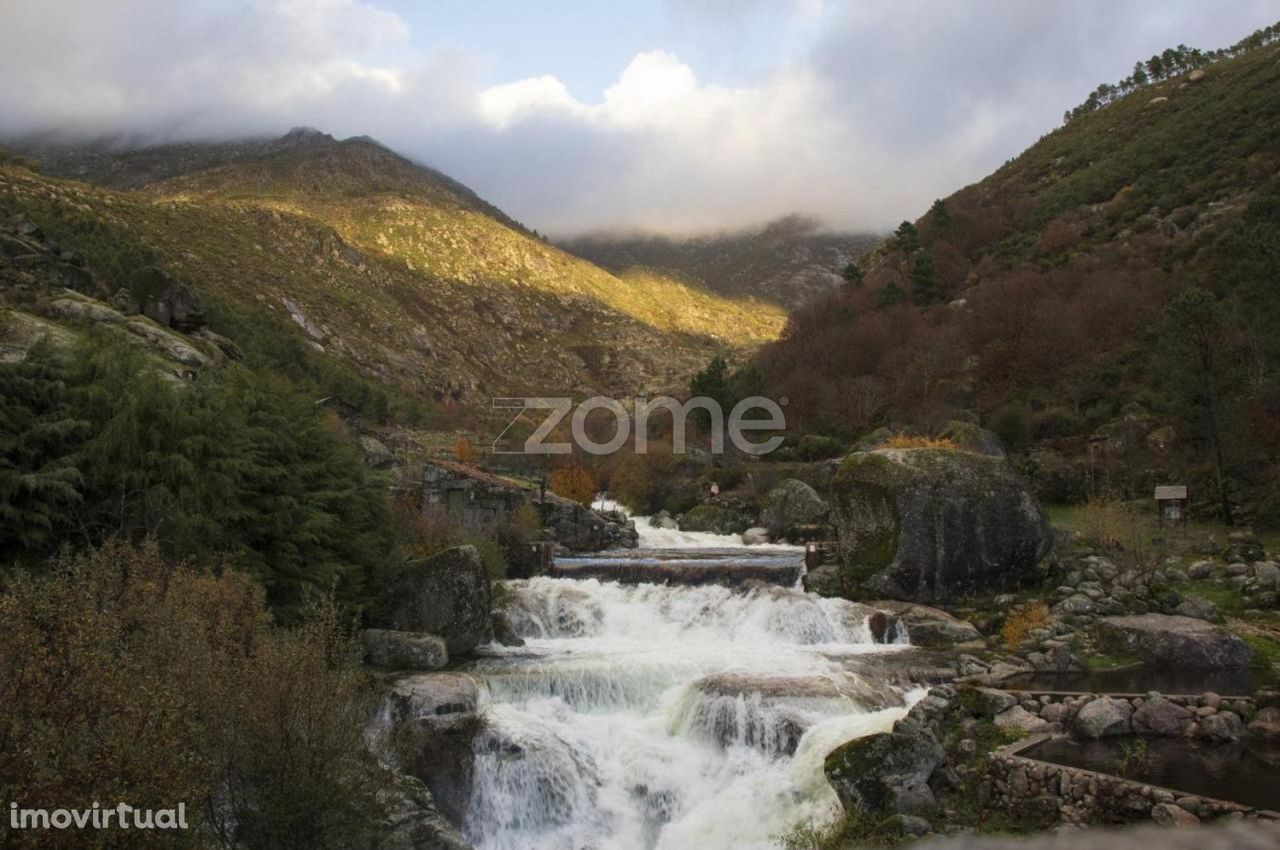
(691,712)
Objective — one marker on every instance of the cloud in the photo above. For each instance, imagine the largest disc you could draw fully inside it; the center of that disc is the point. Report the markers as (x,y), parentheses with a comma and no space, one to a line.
(871,110)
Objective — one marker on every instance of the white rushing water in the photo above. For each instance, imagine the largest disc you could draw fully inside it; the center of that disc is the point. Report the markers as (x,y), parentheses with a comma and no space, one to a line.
(651,717)
(653,537)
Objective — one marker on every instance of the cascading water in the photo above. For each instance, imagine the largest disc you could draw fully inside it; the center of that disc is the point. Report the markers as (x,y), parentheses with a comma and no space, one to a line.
(668,717)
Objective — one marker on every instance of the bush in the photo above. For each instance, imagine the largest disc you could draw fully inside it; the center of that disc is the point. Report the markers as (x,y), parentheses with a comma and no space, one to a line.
(1009,423)
(574,482)
(125,679)
(1021,622)
(818,447)
(909,441)
(1054,422)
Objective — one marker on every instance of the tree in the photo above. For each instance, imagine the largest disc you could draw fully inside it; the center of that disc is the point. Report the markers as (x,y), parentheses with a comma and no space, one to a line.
(463,452)
(907,237)
(890,295)
(39,431)
(852,274)
(1195,333)
(939,214)
(924,279)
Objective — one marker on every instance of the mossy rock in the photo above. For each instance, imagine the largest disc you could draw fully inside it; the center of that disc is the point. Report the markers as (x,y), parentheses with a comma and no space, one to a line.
(885,773)
(933,524)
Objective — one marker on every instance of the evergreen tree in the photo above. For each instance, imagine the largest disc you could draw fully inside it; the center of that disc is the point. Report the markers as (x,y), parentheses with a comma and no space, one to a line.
(924,279)
(852,274)
(939,213)
(39,431)
(907,237)
(890,295)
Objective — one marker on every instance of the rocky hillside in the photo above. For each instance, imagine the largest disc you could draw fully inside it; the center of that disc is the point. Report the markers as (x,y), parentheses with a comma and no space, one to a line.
(1114,285)
(787,261)
(371,260)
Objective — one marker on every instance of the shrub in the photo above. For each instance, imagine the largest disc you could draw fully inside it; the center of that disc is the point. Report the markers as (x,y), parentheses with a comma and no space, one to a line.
(463,452)
(575,482)
(1021,622)
(125,679)
(1009,423)
(909,441)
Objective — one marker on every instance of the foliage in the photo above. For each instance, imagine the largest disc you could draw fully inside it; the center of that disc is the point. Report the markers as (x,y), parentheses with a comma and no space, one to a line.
(123,678)
(463,452)
(1022,621)
(912,441)
(575,482)
(1133,758)
(1172,62)
(237,465)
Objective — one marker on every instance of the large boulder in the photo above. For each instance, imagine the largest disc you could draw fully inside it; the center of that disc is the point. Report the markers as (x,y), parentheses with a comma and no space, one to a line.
(925,626)
(1102,717)
(716,519)
(793,502)
(885,773)
(972,438)
(1173,641)
(934,524)
(394,650)
(447,595)
(1159,717)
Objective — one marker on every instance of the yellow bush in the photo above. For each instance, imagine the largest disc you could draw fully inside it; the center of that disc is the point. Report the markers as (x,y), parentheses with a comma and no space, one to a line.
(575,482)
(907,441)
(1022,622)
(463,451)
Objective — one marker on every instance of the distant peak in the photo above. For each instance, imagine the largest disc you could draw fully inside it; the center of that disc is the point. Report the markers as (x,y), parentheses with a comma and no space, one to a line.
(308,134)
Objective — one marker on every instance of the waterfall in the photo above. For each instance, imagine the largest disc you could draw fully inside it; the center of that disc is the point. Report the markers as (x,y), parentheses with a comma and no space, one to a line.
(652,717)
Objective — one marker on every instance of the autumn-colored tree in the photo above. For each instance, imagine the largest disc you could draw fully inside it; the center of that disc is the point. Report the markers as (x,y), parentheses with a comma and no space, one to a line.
(575,482)
(463,451)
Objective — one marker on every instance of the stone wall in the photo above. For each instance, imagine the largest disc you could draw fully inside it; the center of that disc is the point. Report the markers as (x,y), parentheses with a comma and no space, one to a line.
(484,501)
(1207,716)
(1027,785)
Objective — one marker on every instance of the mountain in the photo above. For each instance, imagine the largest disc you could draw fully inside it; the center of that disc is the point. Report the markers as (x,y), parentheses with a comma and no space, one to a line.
(786,262)
(1061,300)
(369,259)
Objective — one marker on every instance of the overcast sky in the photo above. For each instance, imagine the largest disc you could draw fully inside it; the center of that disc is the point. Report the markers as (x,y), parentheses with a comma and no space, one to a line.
(671,115)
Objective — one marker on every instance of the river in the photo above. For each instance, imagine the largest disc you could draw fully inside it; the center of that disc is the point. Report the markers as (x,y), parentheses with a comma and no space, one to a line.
(657,717)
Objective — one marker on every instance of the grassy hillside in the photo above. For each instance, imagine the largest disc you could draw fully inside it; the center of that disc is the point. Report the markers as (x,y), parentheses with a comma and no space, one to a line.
(1038,300)
(375,261)
(786,262)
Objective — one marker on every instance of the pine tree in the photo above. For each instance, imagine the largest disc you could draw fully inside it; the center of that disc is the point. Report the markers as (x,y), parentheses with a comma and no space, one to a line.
(924,279)
(890,295)
(39,433)
(852,274)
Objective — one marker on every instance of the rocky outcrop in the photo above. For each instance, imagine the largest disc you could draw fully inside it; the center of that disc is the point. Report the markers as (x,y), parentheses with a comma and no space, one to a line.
(793,502)
(436,721)
(886,773)
(447,595)
(934,524)
(972,438)
(1174,641)
(925,626)
(392,650)
(413,822)
(717,517)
